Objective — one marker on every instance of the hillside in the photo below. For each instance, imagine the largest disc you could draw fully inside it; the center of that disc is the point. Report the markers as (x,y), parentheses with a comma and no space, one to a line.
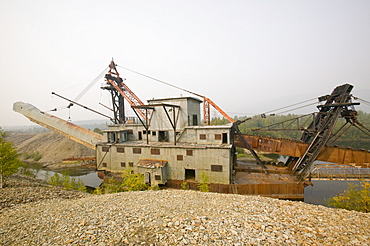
(52,147)
(170,217)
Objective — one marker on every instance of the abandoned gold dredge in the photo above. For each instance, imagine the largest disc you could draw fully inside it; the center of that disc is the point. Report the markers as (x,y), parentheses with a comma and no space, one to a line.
(169,145)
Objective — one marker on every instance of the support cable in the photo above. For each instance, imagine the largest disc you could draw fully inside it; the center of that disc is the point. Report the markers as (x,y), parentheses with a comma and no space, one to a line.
(92,83)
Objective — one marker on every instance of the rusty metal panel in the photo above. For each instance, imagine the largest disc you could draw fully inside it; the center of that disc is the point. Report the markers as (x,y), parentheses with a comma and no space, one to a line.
(297,149)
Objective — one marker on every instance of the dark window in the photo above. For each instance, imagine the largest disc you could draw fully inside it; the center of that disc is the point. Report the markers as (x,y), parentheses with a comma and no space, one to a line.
(140,135)
(154,133)
(202,136)
(157,177)
(155,151)
(216,168)
(224,138)
(105,149)
(195,120)
(217,136)
(144,132)
(136,150)
(162,136)
(130,164)
(180,157)
(123,164)
(189,174)
(120,150)
(104,164)
(189,152)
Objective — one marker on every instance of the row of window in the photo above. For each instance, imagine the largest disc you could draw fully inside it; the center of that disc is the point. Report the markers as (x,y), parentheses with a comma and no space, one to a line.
(222,137)
(214,168)
(153,151)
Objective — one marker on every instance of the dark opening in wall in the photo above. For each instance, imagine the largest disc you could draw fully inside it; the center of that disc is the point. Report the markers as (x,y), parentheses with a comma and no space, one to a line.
(190,174)
(162,136)
(224,138)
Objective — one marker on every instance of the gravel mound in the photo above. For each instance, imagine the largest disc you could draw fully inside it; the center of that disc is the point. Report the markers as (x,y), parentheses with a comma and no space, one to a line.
(52,146)
(179,217)
(22,189)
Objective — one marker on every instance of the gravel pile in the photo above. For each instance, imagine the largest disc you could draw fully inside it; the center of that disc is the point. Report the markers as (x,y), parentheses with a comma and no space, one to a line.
(178,217)
(23,189)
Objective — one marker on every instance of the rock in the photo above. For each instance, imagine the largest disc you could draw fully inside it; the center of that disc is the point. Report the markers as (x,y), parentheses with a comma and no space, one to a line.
(162,218)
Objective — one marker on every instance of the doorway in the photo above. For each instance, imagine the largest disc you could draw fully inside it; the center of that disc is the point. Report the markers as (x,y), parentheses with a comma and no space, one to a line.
(190,174)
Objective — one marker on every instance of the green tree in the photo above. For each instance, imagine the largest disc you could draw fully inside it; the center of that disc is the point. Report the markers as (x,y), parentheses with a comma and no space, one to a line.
(203,182)
(353,198)
(9,162)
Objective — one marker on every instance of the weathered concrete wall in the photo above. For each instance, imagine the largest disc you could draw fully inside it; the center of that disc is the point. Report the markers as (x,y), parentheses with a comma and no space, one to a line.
(178,157)
(68,129)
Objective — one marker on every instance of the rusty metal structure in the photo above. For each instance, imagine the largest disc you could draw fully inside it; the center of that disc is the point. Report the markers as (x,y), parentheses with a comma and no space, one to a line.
(166,136)
(312,145)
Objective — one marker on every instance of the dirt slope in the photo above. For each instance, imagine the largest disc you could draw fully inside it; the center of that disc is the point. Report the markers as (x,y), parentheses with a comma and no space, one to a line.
(53,147)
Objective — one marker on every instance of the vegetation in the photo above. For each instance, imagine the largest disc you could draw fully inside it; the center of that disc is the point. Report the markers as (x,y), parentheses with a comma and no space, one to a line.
(185,185)
(9,161)
(35,156)
(98,130)
(354,198)
(203,182)
(67,182)
(130,182)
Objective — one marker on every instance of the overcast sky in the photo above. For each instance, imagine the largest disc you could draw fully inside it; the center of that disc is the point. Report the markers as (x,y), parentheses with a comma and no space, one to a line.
(249,57)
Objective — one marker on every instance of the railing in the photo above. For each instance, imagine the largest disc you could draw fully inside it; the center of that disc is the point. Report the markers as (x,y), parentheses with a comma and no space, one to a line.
(341,172)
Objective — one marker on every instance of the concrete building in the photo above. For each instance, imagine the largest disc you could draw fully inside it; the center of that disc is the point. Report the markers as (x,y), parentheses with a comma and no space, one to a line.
(170,145)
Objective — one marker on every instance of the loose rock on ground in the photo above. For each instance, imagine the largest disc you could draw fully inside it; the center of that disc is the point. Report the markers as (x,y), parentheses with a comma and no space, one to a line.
(179,217)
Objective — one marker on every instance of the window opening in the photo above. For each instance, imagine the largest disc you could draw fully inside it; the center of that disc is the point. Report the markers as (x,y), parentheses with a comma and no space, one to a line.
(195,120)
(224,138)
(162,136)
(136,150)
(155,151)
(216,168)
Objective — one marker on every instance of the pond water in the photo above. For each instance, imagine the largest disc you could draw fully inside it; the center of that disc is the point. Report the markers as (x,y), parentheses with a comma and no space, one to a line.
(322,190)
(87,174)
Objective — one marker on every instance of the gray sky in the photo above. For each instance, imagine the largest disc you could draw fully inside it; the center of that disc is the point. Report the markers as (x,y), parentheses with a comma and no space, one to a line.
(247,56)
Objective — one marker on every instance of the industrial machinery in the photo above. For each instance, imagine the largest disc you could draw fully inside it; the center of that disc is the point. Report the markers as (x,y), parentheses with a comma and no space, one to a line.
(174,137)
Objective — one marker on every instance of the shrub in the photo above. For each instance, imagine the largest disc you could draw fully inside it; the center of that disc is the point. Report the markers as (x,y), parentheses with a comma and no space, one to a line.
(130,182)
(354,198)
(133,182)
(67,182)
(203,183)
(185,185)
(35,155)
